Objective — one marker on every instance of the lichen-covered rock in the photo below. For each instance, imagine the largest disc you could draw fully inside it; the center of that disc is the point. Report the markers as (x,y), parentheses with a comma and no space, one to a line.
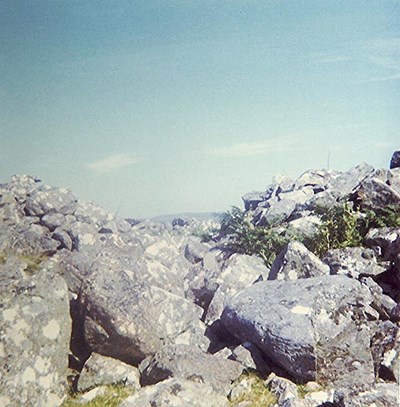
(177,393)
(374,193)
(238,272)
(46,199)
(102,370)
(35,329)
(129,320)
(296,261)
(308,326)
(188,362)
(353,262)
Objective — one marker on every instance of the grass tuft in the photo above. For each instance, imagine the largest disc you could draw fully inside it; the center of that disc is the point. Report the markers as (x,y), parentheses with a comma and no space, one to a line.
(115,394)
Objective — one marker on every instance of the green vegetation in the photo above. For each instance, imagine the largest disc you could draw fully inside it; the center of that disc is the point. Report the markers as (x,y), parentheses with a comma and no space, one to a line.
(302,391)
(245,238)
(114,395)
(258,395)
(341,226)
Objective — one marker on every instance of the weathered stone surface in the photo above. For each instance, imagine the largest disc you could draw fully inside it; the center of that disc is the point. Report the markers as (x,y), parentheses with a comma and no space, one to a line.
(188,362)
(385,346)
(195,250)
(278,212)
(252,199)
(385,241)
(129,320)
(46,199)
(102,370)
(296,261)
(353,262)
(177,393)
(250,357)
(287,394)
(35,329)
(374,193)
(291,321)
(239,271)
(395,161)
(381,395)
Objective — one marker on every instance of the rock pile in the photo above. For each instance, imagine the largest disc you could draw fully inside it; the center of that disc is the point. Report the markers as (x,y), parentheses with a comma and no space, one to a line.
(94,299)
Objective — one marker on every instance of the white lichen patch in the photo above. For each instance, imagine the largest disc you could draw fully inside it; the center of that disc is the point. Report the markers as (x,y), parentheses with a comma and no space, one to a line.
(47,381)
(42,365)
(10,314)
(389,357)
(29,375)
(299,309)
(323,316)
(52,330)
(88,239)
(21,325)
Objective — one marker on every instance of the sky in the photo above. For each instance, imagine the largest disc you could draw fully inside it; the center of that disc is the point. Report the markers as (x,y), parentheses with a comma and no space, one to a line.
(156,107)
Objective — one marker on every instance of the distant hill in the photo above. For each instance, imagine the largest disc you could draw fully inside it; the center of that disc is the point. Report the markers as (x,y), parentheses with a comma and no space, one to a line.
(200,216)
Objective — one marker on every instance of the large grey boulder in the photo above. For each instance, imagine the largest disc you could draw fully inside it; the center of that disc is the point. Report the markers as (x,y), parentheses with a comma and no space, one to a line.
(310,327)
(188,362)
(176,392)
(238,272)
(102,370)
(129,320)
(35,330)
(373,193)
(296,261)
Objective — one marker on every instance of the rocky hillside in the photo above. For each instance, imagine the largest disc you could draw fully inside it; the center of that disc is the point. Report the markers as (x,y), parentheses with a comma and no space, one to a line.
(292,301)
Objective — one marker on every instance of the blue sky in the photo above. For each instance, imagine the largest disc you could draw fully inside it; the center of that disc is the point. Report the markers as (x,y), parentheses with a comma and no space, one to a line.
(154,107)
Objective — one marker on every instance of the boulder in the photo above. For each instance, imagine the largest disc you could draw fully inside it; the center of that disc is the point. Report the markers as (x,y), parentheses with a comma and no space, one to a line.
(310,327)
(188,362)
(385,242)
(102,370)
(373,193)
(252,199)
(176,392)
(239,271)
(296,261)
(35,330)
(195,250)
(353,262)
(395,161)
(129,320)
(46,199)
(277,212)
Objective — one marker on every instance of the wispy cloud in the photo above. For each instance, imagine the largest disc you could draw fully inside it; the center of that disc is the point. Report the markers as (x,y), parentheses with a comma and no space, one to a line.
(331,59)
(112,163)
(251,149)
